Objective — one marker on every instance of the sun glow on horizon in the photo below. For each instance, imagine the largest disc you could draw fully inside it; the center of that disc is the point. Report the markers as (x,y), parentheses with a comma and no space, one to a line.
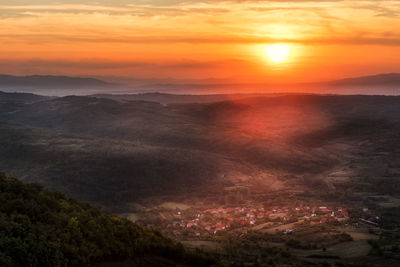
(277,53)
(195,40)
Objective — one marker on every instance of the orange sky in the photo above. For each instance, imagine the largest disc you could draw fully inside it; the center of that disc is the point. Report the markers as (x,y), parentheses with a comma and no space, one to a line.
(199,39)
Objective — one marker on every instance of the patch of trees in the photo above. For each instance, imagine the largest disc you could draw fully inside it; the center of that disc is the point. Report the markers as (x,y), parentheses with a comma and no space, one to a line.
(43,228)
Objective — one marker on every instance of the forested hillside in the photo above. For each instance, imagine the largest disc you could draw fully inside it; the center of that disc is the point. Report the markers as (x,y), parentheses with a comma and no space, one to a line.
(43,228)
(115,154)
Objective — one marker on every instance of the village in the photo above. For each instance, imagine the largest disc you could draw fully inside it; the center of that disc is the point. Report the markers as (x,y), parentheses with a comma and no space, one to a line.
(218,221)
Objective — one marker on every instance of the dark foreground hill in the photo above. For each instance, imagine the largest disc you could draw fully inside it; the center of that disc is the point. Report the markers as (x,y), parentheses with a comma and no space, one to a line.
(44,228)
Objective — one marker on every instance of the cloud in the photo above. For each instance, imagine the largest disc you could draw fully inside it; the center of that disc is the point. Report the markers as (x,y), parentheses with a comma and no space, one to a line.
(148,2)
(33,65)
(387,39)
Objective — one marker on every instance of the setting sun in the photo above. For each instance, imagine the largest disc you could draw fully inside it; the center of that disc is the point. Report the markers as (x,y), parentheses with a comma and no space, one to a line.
(277,52)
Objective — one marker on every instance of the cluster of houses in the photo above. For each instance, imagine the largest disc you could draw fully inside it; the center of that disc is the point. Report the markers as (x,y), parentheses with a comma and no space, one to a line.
(218,220)
(325,214)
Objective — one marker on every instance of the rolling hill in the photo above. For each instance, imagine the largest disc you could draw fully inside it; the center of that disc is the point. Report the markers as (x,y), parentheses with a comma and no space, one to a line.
(114,154)
(43,228)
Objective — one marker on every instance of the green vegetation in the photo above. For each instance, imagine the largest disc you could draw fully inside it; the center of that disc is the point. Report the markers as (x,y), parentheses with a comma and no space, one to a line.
(112,153)
(387,246)
(43,228)
(253,249)
(128,157)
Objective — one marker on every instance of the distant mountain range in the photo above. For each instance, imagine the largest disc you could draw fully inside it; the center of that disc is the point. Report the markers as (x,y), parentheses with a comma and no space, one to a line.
(392,79)
(48,81)
(66,85)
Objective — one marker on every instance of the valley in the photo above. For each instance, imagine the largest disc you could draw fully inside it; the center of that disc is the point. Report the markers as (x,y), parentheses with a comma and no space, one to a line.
(291,178)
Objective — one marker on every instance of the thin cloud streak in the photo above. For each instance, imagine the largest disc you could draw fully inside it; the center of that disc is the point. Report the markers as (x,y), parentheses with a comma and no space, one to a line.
(393,40)
(107,64)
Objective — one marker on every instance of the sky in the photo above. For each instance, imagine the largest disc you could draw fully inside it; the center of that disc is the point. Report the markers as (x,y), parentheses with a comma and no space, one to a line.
(200,39)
